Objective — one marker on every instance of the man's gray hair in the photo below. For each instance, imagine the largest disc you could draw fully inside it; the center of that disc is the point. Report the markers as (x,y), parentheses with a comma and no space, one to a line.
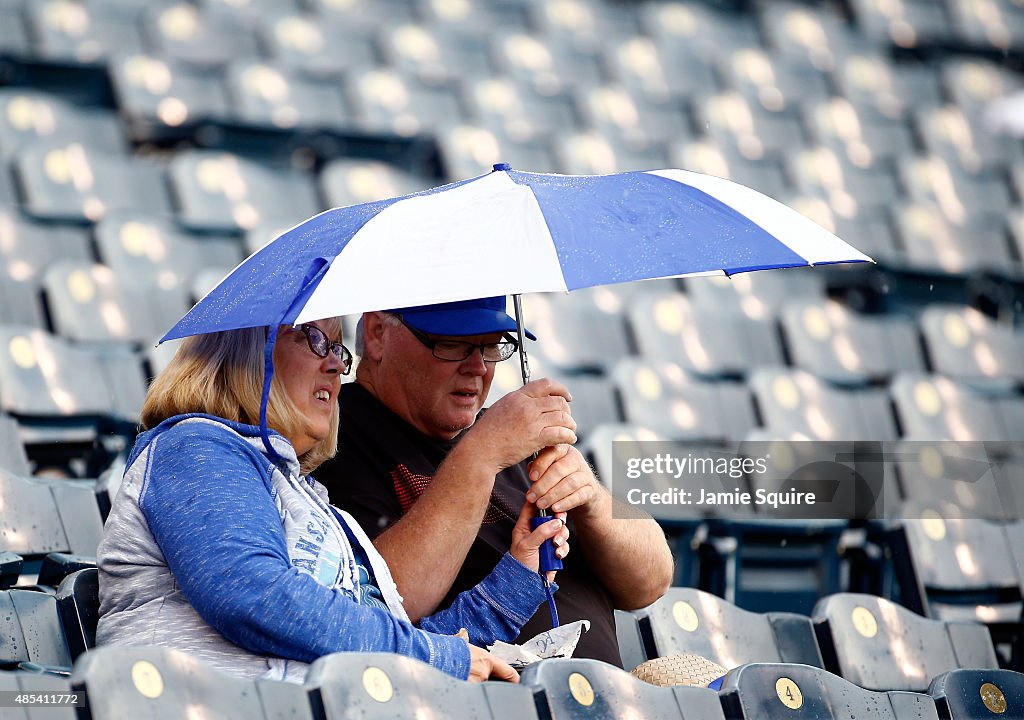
(386,318)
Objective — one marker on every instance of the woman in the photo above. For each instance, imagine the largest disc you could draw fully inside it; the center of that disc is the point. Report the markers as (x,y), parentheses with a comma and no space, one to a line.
(224,547)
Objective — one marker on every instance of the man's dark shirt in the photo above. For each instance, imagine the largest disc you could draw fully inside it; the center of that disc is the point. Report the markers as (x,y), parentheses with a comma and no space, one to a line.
(382,466)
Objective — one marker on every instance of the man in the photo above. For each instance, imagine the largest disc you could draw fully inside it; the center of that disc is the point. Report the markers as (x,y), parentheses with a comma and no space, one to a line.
(438,484)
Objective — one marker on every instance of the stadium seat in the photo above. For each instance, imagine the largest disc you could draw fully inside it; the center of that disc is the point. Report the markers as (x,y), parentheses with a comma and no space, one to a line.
(991,26)
(661,396)
(570,688)
(879,645)
(779,83)
(14,37)
(964,199)
(162,98)
(851,191)
(630,120)
(594,401)
(690,621)
(546,67)
(865,138)
(394,687)
(582,23)
(592,153)
(222,192)
(702,339)
(12,453)
(517,110)
(78,603)
(907,24)
(83,32)
(932,407)
(202,36)
(698,30)
(577,334)
(365,14)
(965,345)
(322,46)
(841,346)
(159,683)
(347,181)
(28,248)
(933,244)
(43,376)
(470,150)
(31,631)
(153,251)
(73,182)
(659,75)
(973,82)
(799,692)
(816,35)
(90,303)
(794,401)
(967,143)
(765,175)
(951,568)
(10,569)
(27,115)
(893,89)
(387,102)
(757,295)
(20,303)
(265,95)
(740,125)
(971,694)
(435,54)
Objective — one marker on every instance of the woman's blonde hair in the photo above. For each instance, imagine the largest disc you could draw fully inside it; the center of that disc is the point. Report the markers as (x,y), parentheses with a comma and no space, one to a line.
(222,374)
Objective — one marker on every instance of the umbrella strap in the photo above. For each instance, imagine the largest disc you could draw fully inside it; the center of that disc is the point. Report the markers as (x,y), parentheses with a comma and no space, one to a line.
(268,376)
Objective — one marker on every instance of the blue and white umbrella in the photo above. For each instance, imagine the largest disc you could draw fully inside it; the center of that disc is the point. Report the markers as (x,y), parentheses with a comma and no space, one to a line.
(511,232)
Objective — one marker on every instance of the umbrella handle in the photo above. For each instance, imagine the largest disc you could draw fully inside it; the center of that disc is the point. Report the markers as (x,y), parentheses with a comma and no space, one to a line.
(549,561)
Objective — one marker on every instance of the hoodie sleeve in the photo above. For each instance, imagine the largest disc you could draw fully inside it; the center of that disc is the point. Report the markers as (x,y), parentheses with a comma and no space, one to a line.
(206,498)
(494,609)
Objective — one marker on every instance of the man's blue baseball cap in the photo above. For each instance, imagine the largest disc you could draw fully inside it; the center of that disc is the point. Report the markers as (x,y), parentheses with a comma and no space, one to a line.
(481,316)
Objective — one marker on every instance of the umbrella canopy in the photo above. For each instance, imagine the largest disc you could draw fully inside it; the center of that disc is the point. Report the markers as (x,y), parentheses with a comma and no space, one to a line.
(507,233)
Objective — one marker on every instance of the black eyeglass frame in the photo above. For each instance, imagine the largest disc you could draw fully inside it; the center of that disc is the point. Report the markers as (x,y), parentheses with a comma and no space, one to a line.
(507,344)
(340,351)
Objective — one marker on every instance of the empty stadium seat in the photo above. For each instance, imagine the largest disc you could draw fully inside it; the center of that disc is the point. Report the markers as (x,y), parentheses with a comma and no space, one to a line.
(31,631)
(77,183)
(661,396)
(798,692)
(571,688)
(840,346)
(965,345)
(27,115)
(83,32)
(952,568)
(738,124)
(850,190)
(390,686)
(867,139)
(627,120)
(347,181)
(576,332)
(28,248)
(987,25)
(970,694)
(546,67)
(689,621)
(879,645)
(159,683)
(794,401)
(966,142)
(12,453)
(222,192)
(78,604)
(893,89)
(698,30)
(816,35)
(265,95)
(932,407)
(758,295)
(516,110)
(973,82)
(647,70)
(778,83)
(470,150)
(164,98)
(92,303)
(907,24)
(203,36)
(318,45)
(765,175)
(964,199)
(701,338)
(934,244)
(435,53)
(387,102)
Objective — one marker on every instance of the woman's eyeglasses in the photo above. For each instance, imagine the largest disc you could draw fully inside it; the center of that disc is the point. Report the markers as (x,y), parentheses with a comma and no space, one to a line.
(320,345)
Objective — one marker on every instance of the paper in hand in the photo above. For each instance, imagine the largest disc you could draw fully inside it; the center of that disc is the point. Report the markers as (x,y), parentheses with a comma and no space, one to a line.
(557,642)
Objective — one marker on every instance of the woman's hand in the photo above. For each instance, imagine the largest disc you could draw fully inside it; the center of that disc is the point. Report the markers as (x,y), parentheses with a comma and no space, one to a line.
(485,666)
(526,544)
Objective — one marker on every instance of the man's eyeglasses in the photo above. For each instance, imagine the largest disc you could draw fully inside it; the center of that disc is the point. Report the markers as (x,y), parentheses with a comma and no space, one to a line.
(457,351)
(320,345)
